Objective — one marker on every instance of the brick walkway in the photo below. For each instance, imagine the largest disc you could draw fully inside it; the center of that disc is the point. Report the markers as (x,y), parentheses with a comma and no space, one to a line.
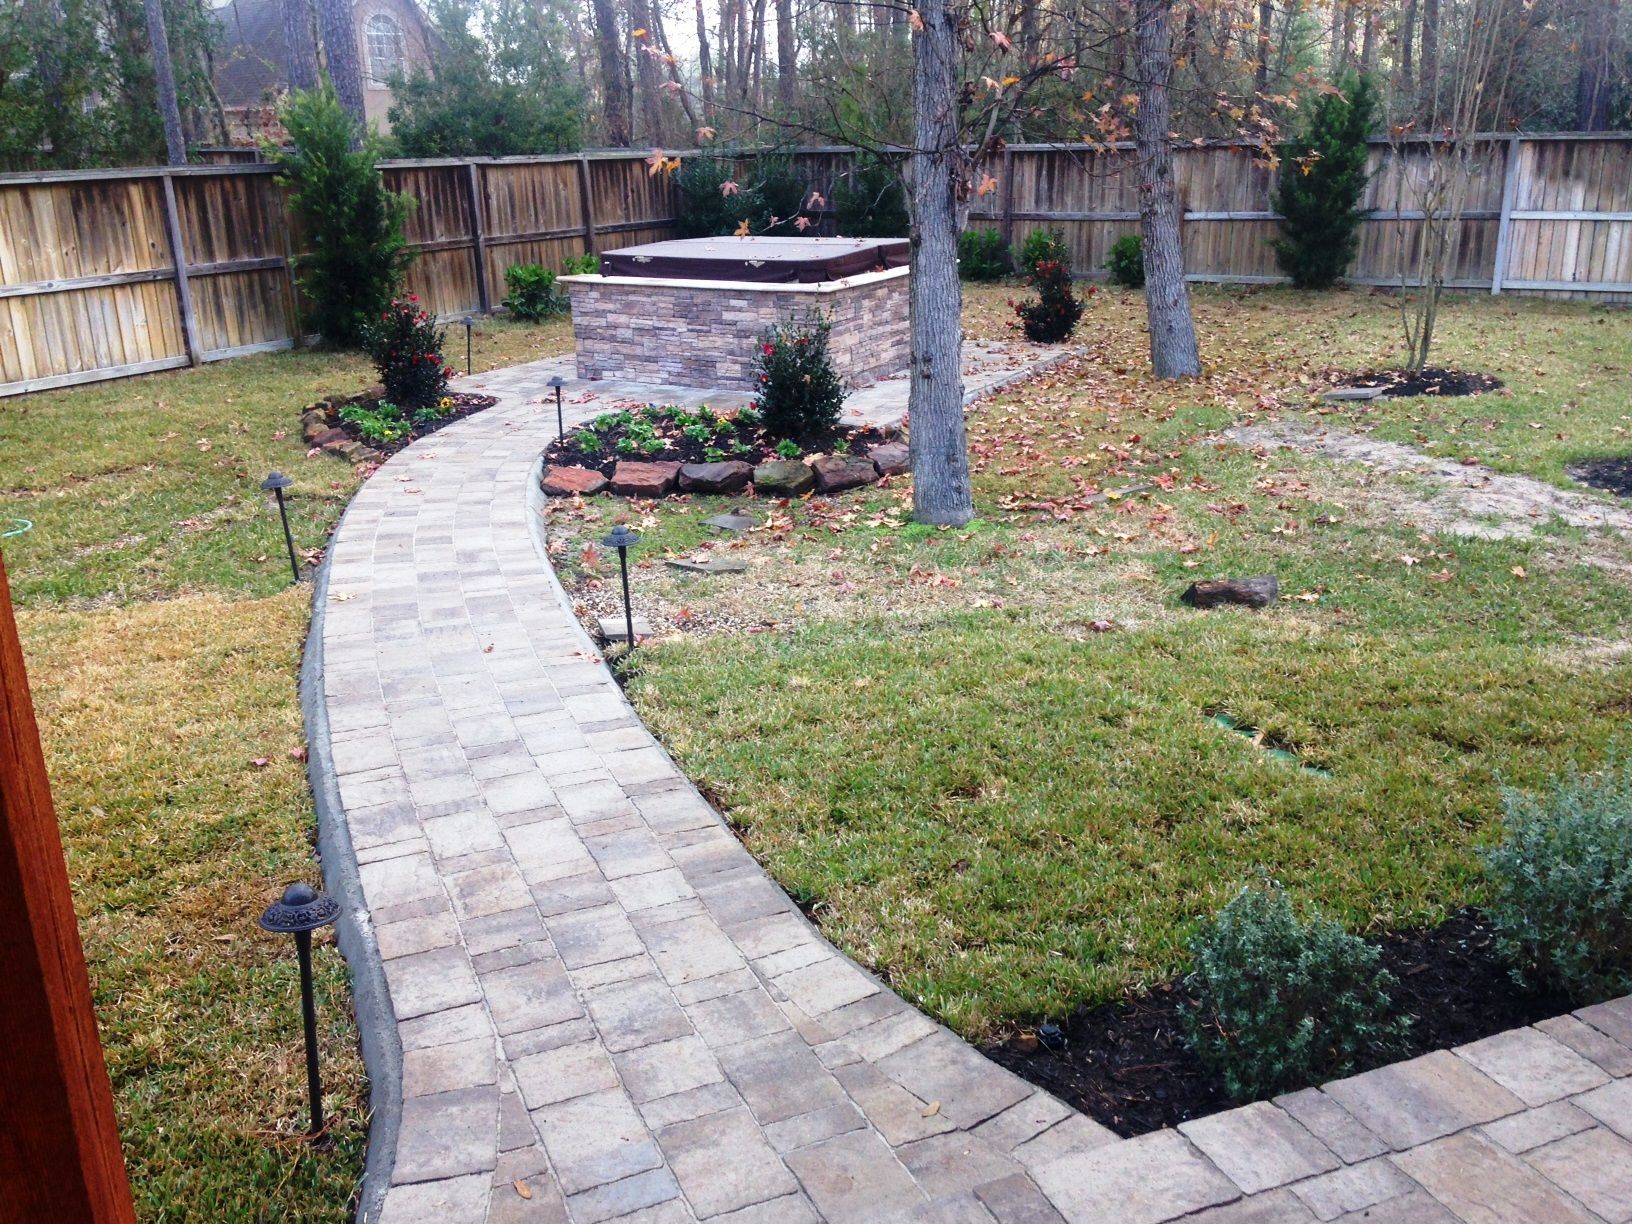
(607,1011)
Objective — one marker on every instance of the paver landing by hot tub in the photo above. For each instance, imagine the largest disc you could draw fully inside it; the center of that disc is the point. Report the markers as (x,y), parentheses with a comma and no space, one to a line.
(607,1011)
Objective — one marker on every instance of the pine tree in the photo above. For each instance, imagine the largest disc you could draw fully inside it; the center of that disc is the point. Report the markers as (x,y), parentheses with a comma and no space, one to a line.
(1323,177)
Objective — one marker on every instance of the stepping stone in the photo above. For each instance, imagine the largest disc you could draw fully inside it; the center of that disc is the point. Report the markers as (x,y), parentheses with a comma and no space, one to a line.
(711,566)
(1343,395)
(730,522)
(613,629)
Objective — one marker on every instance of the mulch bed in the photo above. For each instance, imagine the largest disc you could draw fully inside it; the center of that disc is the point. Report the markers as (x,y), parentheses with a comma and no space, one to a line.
(1614,475)
(1125,1064)
(678,448)
(1430,381)
(464,404)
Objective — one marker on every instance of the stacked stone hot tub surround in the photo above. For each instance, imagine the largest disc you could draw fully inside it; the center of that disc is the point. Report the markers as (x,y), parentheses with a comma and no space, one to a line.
(700,333)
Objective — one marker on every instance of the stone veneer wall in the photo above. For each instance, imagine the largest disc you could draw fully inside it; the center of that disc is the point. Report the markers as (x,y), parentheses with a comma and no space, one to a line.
(704,333)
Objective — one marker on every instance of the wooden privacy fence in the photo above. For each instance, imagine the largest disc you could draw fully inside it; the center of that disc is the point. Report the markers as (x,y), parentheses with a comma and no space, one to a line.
(113,272)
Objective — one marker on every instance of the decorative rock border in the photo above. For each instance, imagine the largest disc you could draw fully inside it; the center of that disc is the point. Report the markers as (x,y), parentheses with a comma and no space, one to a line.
(774,478)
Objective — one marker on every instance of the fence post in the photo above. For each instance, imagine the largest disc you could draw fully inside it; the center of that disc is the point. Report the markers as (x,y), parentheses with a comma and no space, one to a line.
(1510,189)
(61,1158)
(178,255)
(478,239)
(1008,197)
(586,201)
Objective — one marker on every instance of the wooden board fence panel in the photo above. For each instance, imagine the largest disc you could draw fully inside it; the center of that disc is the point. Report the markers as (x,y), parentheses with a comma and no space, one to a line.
(90,286)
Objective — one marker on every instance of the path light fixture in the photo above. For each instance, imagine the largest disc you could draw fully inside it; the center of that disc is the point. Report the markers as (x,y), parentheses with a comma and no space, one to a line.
(623,540)
(470,327)
(300,911)
(276,483)
(556,383)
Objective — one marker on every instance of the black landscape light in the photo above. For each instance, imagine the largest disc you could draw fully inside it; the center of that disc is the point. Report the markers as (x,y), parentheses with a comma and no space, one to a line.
(300,911)
(276,483)
(556,383)
(623,540)
(470,326)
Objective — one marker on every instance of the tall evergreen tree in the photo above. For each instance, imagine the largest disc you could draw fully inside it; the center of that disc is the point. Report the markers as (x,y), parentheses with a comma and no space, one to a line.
(1323,178)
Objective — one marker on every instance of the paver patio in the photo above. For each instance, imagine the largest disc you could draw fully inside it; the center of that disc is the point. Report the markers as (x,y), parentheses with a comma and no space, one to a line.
(607,1011)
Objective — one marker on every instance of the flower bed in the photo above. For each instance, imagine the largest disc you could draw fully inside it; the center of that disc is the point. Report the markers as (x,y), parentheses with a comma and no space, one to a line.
(364,428)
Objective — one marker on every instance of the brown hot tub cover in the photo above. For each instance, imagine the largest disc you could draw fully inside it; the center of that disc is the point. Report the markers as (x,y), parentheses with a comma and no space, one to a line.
(805,261)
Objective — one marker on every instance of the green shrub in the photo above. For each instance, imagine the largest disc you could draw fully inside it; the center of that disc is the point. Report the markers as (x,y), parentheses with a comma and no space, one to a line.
(1562,882)
(1043,246)
(406,348)
(982,255)
(384,422)
(1284,1003)
(587,264)
(1053,316)
(1322,179)
(870,201)
(1126,262)
(800,394)
(711,202)
(533,295)
(350,224)
(779,194)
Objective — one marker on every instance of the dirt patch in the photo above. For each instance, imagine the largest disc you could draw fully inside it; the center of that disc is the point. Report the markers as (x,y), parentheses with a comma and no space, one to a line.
(1466,499)
(1126,1066)
(1614,475)
(1431,381)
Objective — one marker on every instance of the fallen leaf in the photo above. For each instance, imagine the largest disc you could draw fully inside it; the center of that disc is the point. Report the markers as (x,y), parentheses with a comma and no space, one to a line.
(260,762)
(933,1108)
(523,1189)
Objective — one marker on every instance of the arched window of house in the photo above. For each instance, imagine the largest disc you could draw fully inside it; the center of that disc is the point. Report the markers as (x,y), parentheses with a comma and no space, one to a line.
(386,51)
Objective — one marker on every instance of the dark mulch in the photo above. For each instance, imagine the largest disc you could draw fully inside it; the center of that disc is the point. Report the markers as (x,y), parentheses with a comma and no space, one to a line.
(1608,473)
(1125,1065)
(464,404)
(677,448)
(1430,381)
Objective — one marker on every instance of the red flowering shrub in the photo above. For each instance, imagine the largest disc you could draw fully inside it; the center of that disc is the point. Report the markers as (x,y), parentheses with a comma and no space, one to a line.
(800,393)
(1053,316)
(406,348)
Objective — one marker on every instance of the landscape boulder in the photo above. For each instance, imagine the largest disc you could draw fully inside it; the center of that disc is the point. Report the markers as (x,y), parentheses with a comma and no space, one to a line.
(732,476)
(783,478)
(567,481)
(836,473)
(891,459)
(632,479)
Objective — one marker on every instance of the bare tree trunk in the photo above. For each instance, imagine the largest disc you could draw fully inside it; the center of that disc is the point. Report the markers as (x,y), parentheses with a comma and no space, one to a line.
(705,64)
(1368,41)
(1173,352)
(300,49)
(1408,44)
(940,451)
(1592,82)
(755,79)
(340,51)
(647,78)
(614,85)
(164,80)
(787,52)
(661,37)
(1266,19)
(1428,74)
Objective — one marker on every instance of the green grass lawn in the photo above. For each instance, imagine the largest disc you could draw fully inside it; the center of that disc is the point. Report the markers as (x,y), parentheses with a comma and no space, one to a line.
(163,642)
(984,756)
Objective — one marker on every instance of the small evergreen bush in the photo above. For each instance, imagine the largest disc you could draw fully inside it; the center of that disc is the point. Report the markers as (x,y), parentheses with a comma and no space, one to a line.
(587,264)
(870,201)
(800,393)
(1562,879)
(1053,316)
(1322,179)
(533,295)
(711,203)
(982,255)
(1284,1003)
(350,224)
(1126,262)
(406,348)
(1043,246)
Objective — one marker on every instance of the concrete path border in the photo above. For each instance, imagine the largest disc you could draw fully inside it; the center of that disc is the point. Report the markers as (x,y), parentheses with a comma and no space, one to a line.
(603,1009)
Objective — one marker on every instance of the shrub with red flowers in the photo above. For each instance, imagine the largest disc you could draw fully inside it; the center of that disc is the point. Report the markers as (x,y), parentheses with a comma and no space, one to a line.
(800,393)
(1053,315)
(406,348)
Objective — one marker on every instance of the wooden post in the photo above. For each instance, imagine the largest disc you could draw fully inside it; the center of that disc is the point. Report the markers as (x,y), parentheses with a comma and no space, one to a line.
(586,201)
(60,1159)
(178,254)
(1510,190)
(1007,223)
(478,240)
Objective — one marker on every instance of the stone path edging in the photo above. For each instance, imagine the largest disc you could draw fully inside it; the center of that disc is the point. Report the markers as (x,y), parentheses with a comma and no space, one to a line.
(606,1010)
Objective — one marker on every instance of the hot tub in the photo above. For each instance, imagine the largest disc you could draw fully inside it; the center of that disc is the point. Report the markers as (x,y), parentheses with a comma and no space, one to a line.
(692,312)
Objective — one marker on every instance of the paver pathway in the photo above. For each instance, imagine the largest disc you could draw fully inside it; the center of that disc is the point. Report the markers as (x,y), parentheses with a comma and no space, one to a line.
(607,1011)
